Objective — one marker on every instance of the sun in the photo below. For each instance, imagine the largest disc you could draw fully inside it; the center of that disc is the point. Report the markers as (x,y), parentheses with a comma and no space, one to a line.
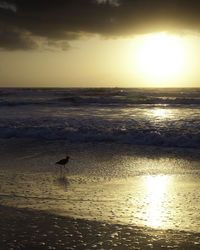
(160,57)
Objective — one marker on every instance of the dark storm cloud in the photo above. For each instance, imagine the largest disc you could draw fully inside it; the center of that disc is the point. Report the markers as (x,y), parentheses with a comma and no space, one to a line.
(25,23)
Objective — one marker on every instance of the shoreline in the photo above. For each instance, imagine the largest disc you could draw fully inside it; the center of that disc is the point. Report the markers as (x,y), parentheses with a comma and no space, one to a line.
(106,185)
(31,229)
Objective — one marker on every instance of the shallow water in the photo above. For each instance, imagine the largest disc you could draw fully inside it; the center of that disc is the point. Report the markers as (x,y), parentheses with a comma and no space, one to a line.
(158,188)
(163,202)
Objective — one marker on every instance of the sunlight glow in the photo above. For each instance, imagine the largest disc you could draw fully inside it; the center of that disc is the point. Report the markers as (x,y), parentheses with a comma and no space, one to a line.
(156,187)
(160,114)
(161,57)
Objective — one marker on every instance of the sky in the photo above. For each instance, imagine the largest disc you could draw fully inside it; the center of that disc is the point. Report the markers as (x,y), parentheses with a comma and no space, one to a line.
(99,43)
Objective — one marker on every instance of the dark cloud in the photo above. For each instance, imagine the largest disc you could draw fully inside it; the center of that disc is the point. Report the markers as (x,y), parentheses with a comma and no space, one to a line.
(25,23)
(8,6)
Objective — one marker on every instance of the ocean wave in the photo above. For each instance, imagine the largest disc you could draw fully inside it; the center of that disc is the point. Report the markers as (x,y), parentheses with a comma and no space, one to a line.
(127,100)
(81,101)
(87,131)
(168,117)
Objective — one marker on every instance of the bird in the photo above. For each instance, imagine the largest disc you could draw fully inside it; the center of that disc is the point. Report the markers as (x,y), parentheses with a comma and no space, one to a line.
(62,163)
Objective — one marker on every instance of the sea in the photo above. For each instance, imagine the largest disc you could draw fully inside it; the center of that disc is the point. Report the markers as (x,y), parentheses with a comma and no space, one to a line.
(158,117)
(134,154)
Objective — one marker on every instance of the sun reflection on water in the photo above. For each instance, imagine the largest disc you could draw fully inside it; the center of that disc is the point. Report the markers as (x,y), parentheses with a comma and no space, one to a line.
(160,113)
(155,213)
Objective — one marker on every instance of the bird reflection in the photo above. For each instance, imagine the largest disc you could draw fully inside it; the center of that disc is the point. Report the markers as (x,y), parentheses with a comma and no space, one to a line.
(63,181)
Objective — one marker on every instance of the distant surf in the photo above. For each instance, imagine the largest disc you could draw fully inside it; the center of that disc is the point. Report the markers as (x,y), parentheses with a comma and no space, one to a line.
(161,117)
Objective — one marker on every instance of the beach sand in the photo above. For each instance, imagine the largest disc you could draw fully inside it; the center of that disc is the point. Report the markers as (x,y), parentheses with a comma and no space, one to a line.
(111,197)
(29,229)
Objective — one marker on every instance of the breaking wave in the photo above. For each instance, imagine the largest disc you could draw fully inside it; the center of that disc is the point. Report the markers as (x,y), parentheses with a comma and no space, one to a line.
(162,117)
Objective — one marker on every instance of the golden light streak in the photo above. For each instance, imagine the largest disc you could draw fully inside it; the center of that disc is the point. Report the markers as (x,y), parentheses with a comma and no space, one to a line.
(160,114)
(155,210)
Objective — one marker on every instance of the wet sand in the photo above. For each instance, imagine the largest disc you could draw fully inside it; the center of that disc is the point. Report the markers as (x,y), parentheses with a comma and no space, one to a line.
(113,197)
(30,229)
